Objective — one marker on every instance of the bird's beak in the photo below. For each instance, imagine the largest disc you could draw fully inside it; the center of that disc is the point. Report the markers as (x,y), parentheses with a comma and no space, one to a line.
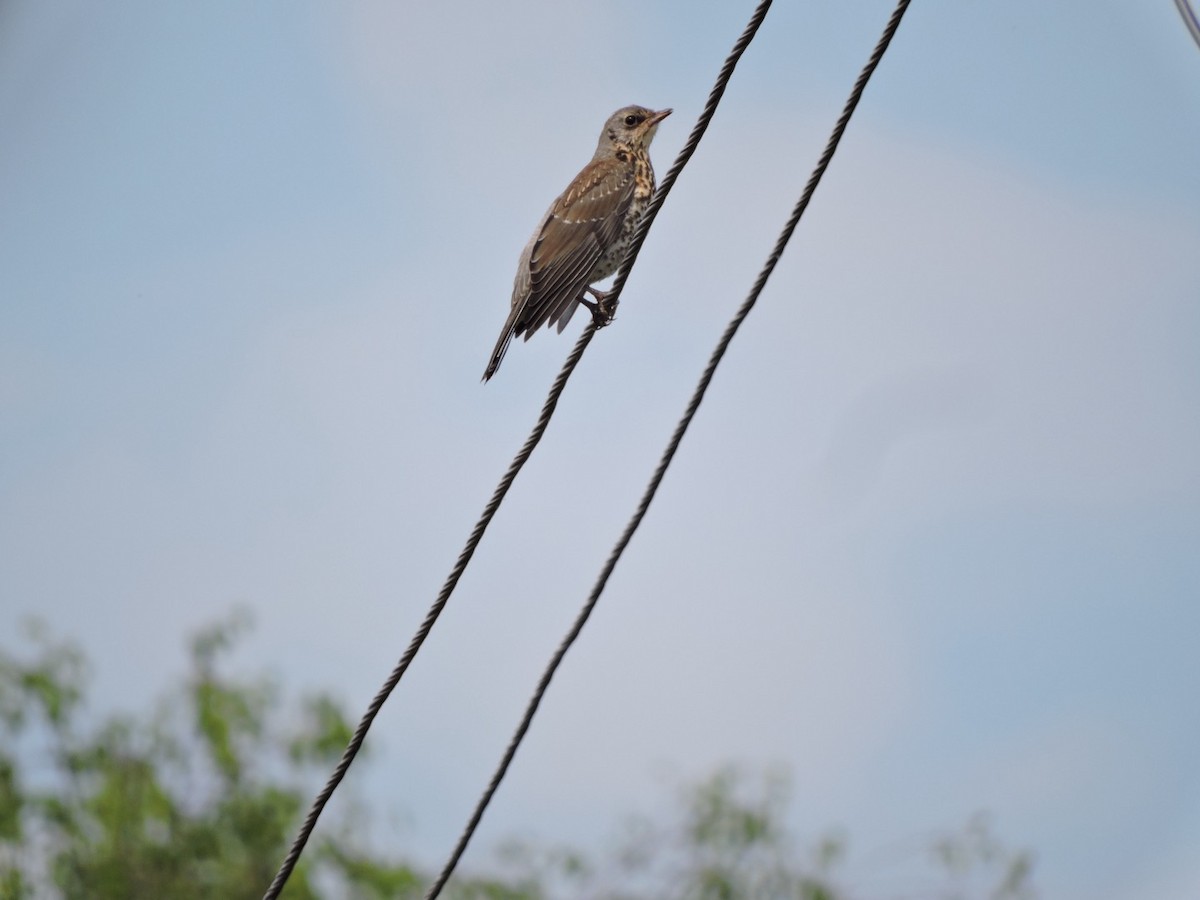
(657,117)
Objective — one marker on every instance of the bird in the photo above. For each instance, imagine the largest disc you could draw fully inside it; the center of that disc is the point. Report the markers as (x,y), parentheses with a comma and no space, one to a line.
(586,232)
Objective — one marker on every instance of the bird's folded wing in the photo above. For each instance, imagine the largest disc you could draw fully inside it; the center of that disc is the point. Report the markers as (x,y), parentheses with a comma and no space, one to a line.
(581,225)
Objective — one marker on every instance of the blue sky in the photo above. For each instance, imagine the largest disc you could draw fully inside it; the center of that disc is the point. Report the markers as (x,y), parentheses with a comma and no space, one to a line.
(931,541)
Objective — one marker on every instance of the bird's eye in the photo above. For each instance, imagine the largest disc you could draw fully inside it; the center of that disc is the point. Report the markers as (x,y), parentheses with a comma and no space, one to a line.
(632,120)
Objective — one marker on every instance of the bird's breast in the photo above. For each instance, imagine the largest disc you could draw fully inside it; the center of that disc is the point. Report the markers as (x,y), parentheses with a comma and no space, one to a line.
(643,177)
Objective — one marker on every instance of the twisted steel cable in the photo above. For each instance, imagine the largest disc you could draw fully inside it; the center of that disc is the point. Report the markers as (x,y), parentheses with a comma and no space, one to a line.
(535,436)
(673,445)
(1190,19)
(422,632)
(701,126)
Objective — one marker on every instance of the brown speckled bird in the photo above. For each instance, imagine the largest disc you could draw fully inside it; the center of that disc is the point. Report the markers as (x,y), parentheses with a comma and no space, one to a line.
(585,233)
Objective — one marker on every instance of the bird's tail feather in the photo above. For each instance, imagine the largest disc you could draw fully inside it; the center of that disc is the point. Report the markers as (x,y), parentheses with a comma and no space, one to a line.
(565,316)
(506,336)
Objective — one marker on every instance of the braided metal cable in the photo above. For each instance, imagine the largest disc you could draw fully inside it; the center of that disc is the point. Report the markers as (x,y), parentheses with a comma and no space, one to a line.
(535,436)
(364,725)
(701,126)
(1190,19)
(673,445)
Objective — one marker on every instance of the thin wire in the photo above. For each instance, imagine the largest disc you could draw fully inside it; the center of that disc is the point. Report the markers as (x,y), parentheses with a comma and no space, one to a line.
(701,126)
(535,436)
(1189,19)
(669,454)
(364,725)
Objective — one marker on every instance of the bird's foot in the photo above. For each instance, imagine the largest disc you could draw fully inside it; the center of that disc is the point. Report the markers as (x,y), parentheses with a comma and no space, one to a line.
(604,310)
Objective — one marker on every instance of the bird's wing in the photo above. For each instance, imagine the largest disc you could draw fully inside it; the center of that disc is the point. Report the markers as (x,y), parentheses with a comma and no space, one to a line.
(579,227)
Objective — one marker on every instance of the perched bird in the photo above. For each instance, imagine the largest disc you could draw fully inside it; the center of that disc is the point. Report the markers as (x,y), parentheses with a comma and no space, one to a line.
(584,235)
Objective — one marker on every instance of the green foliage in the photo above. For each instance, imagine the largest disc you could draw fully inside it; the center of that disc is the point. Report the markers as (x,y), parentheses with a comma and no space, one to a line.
(10,801)
(176,805)
(229,716)
(728,840)
(50,686)
(200,800)
(731,843)
(325,735)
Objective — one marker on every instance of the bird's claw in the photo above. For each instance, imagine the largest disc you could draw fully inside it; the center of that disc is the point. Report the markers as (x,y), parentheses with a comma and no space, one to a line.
(604,310)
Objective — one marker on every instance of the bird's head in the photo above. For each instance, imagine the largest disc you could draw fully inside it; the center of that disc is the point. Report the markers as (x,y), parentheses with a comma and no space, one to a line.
(631,126)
